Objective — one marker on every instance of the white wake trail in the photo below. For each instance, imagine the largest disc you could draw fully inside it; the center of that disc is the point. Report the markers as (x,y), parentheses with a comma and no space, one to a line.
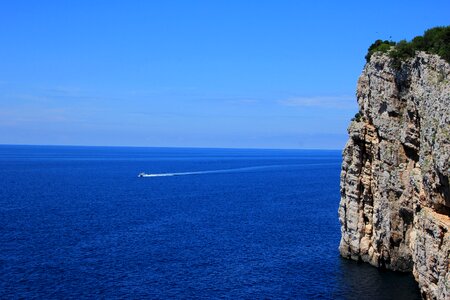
(229,170)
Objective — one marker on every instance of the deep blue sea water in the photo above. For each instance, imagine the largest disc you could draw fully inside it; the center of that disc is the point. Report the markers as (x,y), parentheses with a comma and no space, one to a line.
(77,222)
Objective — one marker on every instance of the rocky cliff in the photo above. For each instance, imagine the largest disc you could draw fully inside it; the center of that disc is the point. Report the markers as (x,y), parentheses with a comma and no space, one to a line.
(395,196)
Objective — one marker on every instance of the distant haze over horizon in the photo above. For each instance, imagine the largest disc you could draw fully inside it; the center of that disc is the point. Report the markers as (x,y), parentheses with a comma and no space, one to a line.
(214,74)
(165,147)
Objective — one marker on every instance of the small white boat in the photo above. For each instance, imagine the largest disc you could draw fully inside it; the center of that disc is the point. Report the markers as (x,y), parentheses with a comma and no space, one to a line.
(143,174)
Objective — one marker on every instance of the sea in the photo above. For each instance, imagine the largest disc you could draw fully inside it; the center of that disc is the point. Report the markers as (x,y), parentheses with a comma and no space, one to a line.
(78,223)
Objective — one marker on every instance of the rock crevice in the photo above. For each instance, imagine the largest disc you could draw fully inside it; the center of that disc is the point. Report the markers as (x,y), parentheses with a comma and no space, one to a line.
(395,196)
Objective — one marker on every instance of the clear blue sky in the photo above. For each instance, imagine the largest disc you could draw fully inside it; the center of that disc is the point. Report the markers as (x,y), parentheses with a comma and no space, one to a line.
(264,74)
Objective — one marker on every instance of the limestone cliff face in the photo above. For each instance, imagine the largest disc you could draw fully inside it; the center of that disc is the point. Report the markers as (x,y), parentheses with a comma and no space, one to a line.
(395,196)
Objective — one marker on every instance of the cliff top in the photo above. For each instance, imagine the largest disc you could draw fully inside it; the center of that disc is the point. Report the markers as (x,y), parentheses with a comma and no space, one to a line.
(435,40)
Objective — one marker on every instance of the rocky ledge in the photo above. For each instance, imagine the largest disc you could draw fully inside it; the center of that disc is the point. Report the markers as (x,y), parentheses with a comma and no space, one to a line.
(395,196)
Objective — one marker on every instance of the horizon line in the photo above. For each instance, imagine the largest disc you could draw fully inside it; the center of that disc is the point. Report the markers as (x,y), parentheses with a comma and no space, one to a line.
(179,147)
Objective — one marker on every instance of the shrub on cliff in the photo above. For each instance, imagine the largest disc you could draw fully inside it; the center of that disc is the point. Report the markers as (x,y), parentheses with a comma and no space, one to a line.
(401,52)
(358,117)
(379,46)
(435,40)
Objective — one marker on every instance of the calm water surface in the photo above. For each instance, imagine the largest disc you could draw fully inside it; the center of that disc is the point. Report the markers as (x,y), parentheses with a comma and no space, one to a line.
(77,222)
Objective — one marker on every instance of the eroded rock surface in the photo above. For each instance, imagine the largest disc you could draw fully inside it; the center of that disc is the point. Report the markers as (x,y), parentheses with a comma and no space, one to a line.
(395,196)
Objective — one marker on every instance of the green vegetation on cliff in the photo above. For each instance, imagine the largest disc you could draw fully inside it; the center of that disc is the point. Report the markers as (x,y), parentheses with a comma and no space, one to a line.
(435,40)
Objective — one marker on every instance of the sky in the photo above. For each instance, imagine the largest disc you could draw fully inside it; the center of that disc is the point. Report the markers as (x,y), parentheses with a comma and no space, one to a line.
(225,73)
